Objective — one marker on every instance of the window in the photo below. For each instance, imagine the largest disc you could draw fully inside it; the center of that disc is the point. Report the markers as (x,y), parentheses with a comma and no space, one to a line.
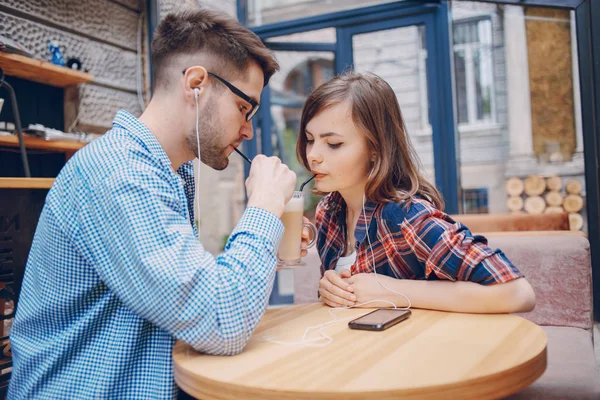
(298,84)
(422,66)
(308,75)
(473,70)
(473,73)
(475,201)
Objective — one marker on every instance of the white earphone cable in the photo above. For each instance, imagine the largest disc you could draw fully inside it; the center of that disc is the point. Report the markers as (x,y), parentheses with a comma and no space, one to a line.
(373,259)
(197,178)
(314,342)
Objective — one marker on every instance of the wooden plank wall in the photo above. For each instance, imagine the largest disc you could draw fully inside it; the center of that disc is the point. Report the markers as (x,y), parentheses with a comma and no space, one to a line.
(550,79)
(103,34)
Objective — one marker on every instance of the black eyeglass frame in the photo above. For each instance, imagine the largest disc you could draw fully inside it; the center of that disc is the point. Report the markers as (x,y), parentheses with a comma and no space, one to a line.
(253,103)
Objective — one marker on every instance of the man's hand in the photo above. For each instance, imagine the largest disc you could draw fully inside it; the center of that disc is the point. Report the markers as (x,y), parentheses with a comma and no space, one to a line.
(270,184)
(335,291)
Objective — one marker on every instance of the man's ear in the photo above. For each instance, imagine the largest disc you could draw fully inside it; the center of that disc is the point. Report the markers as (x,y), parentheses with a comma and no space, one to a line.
(195,81)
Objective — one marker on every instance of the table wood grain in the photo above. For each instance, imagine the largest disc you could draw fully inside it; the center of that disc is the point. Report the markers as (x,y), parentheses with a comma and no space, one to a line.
(431,355)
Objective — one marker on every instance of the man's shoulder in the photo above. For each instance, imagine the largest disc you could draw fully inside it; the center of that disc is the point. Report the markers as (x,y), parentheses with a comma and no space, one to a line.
(116,148)
(114,158)
(116,152)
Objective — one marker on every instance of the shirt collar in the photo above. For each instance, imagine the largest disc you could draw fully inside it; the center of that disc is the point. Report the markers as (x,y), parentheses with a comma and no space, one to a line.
(131,124)
(337,207)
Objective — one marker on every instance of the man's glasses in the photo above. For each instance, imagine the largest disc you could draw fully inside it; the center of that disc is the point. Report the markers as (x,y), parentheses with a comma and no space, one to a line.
(253,103)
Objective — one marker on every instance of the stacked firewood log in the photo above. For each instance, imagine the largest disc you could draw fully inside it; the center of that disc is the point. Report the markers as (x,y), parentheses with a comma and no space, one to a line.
(538,195)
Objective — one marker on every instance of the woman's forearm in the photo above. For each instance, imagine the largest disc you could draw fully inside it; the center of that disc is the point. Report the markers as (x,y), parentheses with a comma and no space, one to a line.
(469,297)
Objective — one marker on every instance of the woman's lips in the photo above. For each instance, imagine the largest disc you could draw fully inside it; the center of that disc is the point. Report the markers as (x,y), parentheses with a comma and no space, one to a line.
(319,176)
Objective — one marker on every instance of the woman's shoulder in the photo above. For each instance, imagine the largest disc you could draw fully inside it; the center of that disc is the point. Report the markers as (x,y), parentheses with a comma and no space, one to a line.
(411,209)
(330,202)
(327,207)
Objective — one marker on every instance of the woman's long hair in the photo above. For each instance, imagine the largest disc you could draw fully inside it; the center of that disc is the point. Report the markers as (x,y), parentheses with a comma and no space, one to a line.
(376,113)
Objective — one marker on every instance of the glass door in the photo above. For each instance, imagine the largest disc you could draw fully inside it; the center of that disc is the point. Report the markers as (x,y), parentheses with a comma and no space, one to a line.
(411,55)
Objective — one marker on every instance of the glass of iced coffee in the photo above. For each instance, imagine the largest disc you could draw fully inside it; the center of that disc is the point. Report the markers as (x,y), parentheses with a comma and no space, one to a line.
(291,243)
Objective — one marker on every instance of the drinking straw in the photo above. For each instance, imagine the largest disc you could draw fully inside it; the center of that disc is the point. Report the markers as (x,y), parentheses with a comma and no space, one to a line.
(308,180)
(243,156)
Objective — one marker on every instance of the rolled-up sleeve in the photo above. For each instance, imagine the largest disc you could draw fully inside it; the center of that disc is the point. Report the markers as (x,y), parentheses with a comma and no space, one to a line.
(136,233)
(448,250)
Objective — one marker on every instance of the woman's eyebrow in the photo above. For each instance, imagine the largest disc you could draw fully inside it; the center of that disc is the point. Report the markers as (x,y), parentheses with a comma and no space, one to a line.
(324,135)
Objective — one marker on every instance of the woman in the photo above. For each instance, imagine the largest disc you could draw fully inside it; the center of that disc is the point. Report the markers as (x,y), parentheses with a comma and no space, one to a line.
(382,232)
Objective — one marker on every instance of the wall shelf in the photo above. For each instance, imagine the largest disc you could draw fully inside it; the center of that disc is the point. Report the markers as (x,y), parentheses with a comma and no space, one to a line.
(61,146)
(26,183)
(41,71)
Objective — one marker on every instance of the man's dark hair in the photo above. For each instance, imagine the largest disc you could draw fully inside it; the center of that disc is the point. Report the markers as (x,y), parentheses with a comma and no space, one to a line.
(230,47)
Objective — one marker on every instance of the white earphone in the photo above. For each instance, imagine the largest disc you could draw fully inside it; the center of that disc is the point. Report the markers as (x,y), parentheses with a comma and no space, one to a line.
(373,167)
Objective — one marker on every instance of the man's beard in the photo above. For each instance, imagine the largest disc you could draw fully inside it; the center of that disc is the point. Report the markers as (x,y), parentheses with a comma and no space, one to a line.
(213,154)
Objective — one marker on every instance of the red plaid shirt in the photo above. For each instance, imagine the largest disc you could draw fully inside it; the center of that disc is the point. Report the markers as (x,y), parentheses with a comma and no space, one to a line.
(409,241)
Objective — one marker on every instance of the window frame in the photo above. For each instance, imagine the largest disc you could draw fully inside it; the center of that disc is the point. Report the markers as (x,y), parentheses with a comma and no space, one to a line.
(469,50)
(479,194)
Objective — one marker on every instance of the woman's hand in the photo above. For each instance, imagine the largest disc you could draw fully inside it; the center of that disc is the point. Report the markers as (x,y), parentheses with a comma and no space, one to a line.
(334,291)
(305,238)
(367,289)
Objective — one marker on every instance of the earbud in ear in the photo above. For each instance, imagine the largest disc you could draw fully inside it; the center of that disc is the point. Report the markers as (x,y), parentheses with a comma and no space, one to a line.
(196,94)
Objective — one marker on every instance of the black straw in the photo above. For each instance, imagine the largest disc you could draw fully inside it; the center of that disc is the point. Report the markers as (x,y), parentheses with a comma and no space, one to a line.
(250,162)
(308,180)
(243,156)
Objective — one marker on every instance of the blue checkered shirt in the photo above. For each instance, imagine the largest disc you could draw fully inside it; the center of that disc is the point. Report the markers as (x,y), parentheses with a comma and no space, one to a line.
(116,274)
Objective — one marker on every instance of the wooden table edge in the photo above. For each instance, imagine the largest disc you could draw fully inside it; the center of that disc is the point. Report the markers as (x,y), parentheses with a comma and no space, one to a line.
(492,386)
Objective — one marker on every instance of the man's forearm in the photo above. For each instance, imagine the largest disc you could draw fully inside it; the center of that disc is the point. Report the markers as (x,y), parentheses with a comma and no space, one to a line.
(470,297)
(228,294)
(245,275)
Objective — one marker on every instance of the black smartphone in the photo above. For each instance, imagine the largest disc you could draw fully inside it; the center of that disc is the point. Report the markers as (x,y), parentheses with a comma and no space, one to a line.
(380,319)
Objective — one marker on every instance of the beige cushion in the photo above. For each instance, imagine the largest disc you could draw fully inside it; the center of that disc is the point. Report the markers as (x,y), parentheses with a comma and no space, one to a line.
(559,269)
(572,371)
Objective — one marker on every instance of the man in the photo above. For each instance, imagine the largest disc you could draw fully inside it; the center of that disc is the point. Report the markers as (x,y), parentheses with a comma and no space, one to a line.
(116,273)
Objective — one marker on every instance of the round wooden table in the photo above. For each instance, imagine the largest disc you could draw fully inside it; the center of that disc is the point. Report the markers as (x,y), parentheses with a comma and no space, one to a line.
(435,355)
